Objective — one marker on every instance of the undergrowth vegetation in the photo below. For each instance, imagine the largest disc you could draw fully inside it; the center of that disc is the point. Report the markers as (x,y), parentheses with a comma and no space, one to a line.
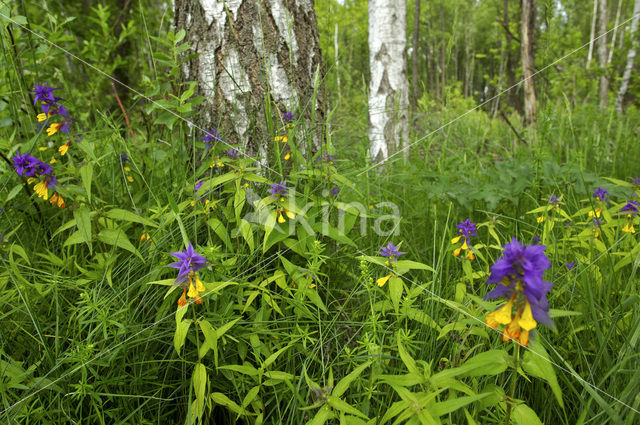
(153,272)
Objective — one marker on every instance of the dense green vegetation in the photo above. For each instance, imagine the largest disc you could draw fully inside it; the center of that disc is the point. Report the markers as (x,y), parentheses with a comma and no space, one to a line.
(289,320)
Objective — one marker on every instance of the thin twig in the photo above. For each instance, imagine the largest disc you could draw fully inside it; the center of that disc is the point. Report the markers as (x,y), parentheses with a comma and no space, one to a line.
(126,118)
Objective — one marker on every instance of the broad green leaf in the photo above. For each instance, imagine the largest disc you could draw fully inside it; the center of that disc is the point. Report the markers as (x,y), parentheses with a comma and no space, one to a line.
(182,328)
(117,237)
(396,288)
(200,386)
(86,173)
(412,265)
(220,230)
(536,363)
(343,406)
(442,408)
(73,239)
(406,358)
(322,416)
(83,221)
(247,233)
(524,415)
(344,383)
(225,401)
(124,215)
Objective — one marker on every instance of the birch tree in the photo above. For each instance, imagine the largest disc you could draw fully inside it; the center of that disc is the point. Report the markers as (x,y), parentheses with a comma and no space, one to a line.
(530,100)
(624,86)
(246,50)
(603,53)
(389,87)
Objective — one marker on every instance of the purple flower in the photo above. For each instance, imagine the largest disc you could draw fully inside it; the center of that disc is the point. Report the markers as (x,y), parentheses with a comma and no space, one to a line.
(212,136)
(335,191)
(569,266)
(600,194)
(21,162)
(288,117)
(197,186)
(553,200)
(232,153)
(520,270)
(536,240)
(390,251)
(636,181)
(124,157)
(467,229)
(631,207)
(43,94)
(190,261)
(278,189)
(328,158)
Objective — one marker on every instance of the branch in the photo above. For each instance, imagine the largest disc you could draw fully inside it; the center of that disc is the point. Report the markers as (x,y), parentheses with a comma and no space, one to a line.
(507,30)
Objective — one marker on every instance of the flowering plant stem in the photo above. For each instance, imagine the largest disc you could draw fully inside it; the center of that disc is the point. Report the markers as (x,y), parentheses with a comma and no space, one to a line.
(516,359)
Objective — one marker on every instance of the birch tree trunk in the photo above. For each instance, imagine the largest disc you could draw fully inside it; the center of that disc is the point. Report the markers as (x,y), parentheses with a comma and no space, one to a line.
(603,82)
(388,88)
(414,53)
(615,32)
(247,50)
(592,36)
(530,101)
(624,86)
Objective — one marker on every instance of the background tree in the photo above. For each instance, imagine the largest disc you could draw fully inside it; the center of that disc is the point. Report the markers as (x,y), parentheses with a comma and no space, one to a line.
(603,81)
(624,86)
(388,88)
(246,50)
(528,67)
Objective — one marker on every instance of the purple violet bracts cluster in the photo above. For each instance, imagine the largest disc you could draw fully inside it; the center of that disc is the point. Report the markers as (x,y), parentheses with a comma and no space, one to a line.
(212,136)
(466,229)
(189,262)
(278,189)
(391,252)
(600,194)
(518,275)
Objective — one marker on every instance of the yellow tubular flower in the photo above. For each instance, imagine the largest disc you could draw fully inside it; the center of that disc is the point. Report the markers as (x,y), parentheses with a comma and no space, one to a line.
(42,117)
(281,219)
(56,200)
(192,290)
(64,148)
(53,128)
(503,314)
(287,156)
(523,339)
(512,331)
(541,219)
(199,285)
(456,239)
(53,160)
(42,190)
(628,228)
(130,179)
(289,214)
(527,322)
(383,280)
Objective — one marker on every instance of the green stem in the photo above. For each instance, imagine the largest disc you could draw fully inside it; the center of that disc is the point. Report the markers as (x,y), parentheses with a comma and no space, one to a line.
(510,403)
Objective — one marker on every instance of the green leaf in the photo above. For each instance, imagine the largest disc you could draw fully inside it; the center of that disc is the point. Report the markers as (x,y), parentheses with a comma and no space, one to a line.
(220,230)
(83,221)
(344,383)
(524,415)
(124,215)
(343,406)
(322,416)
(490,362)
(200,386)
(412,265)
(247,233)
(536,363)
(86,173)
(396,288)
(182,328)
(210,338)
(225,401)
(117,237)
(406,358)
(12,194)
(448,406)
(75,238)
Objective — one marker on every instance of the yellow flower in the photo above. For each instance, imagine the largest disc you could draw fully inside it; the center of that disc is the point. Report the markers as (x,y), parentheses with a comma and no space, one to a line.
(527,322)
(130,179)
(383,280)
(287,156)
(595,213)
(42,189)
(64,148)
(523,339)
(53,160)
(43,116)
(628,228)
(282,139)
(456,239)
(502,315)
(56,199)
(541,219)
(145,237)
(53,128)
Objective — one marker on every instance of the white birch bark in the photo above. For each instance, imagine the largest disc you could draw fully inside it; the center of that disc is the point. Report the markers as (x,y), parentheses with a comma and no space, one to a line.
(246,49)
(603,53)
(615,32)
(593,32)
(624,86)
(389,87)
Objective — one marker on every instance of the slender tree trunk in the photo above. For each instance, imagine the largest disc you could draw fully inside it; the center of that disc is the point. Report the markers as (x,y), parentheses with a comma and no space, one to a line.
(443,58)
(389,88)
(414,53)
(592,36)
(512,95)
(528,66)
(603,82)
(615,32)
(337,61)
(467,60)
(624,86)
(246,50)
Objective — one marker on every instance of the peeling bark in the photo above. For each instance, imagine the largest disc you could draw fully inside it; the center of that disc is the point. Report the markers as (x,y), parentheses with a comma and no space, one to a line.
(246,49)
(388,88)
